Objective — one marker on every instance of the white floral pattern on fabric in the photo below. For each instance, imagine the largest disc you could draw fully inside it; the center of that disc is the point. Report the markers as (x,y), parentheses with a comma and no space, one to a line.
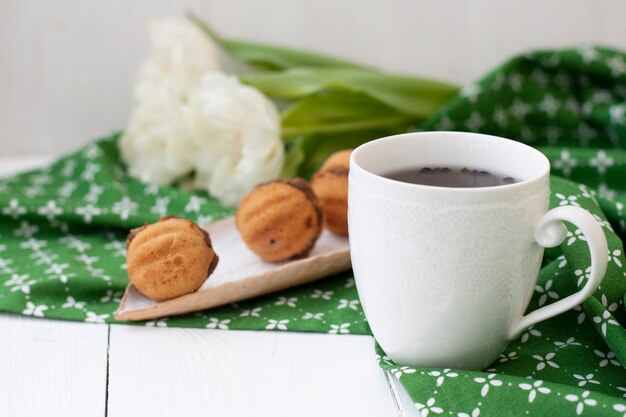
(428,408)
(549,105)
(546,292)
(50,211)
(204,220)
(26,230)
(20,283)
(601,162)
(571,200)
(545,360)
(471,92)
(586,192)
(351,304)
(511,356)
(290,302)
(606,358)
(614,256)
(160,206)
(72,303)
(475,413)
(195,204)
(566,163)
(125,208)
(582,276)
(325,295)
(581,315)
(585,379)
(112,296)
(215,323)
(14,209)
(442,375)
(95,318)
(573,237)
(88,212)
(339,328)
(95,191)
(403,370)
(276,324)
(617,114)
(56,271)
(253,312)
(606,192)
(531,331)
(606,318)
(34,310)
(475,122)
(604,223)
(490,380)
(534,388)
(569,342)
(581,401)
(118,248)
(314,316)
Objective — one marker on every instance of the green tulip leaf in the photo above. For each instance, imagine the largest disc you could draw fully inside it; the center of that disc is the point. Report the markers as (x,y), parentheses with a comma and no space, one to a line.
(413,96)
(340,111)
(307,153)
(270,57)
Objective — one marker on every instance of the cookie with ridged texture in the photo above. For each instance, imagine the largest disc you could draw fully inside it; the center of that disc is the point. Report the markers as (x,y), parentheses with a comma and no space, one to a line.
(170,258)
(340,159)
(280,220)
(330,185)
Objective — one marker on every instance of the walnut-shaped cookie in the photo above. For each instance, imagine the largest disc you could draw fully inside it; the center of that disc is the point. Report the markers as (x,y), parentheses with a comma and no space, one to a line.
(170,258)
(330,185)
(280,219)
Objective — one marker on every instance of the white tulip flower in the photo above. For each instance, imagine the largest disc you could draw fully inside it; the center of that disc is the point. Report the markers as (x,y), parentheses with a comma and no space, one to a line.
(181,55)
(236,133)
(156,145)
(189,117)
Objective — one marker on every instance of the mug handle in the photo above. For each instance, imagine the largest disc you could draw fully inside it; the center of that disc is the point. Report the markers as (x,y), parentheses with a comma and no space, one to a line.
(550,232)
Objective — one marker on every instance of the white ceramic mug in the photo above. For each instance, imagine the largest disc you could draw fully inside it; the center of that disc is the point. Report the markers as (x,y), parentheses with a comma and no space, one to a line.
(445,274)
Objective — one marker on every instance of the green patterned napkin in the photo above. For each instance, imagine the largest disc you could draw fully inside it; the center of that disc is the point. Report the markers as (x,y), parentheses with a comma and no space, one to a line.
(62,248)
(64,229)
(571,104)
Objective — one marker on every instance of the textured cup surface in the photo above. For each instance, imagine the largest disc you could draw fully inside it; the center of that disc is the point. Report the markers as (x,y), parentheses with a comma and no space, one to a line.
(443,273)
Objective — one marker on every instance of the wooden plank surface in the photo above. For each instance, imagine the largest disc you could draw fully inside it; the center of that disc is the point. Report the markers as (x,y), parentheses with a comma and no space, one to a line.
(52,368)
(199,372)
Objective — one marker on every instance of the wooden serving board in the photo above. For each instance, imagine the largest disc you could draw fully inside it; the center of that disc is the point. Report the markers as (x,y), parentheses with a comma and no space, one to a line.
(240,275)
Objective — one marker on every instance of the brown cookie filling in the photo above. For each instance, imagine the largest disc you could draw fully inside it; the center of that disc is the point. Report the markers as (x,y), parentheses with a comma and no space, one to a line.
(133,233)
(340,171)
(306,189)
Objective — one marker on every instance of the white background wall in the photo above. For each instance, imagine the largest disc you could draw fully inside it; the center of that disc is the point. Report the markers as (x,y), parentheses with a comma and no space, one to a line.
(66,66)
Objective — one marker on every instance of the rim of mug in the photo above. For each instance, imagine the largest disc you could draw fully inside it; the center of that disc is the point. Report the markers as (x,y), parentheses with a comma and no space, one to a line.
(537,178)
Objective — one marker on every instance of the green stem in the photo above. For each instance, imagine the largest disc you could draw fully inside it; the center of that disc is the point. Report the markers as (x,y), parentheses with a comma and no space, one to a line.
(205,28)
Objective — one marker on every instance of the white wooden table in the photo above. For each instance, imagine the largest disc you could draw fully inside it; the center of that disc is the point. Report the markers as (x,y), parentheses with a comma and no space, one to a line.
(65,369)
